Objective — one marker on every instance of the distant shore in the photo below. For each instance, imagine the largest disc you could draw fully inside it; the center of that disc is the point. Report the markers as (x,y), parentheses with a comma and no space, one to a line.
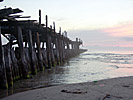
(112,89)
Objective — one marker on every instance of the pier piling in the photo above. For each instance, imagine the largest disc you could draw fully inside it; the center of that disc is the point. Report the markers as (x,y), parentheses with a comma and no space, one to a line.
(32,54)
(3,78)
(23,63)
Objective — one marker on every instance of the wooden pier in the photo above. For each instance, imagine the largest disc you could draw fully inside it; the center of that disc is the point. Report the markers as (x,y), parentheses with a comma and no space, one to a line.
(32,46)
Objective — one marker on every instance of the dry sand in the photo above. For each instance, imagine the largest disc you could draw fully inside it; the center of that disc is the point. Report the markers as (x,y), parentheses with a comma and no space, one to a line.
(110,89)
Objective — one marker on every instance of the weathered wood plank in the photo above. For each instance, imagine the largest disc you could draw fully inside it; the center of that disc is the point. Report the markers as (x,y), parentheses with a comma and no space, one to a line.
(4,13)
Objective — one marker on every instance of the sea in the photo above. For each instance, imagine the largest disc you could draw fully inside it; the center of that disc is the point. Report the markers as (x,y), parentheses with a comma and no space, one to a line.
(93,66)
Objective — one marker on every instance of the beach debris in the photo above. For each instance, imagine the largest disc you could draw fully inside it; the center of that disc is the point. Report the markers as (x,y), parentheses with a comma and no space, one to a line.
(109,96)
(106,96)
(126,86)
(101,85)
(115,66)
(74,92)
(95,81)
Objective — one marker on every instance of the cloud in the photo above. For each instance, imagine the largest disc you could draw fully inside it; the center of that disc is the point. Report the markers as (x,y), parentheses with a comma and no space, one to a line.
(93,37)
(127,38)
(123,30)
(60,19)
(101,38)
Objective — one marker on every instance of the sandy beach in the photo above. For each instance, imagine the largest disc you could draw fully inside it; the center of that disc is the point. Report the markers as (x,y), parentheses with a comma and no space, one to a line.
(109,89)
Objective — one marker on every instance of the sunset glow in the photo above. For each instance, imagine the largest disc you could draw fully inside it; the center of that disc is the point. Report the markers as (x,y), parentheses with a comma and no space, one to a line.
(121,30)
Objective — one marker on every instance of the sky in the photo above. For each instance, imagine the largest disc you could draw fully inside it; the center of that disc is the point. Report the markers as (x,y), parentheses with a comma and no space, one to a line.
(99,23)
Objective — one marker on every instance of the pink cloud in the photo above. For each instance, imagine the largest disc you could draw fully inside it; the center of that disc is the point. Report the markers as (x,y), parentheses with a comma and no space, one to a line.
(117,36)
(111,43)
(120,30)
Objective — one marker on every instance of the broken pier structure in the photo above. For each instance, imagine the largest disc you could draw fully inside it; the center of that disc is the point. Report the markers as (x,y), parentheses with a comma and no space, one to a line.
(32,46)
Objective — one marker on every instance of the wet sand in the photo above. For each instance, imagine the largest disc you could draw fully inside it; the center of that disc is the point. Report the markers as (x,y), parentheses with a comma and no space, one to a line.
(110,89)
(41,80)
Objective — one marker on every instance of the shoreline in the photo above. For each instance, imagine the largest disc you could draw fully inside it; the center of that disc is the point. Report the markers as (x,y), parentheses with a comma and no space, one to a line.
(114,89)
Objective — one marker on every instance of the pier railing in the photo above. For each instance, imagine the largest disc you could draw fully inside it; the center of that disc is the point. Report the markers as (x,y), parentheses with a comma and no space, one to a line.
(32,46)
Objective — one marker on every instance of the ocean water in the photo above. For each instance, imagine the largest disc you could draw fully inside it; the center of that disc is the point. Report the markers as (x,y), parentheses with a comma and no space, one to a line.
(93,66)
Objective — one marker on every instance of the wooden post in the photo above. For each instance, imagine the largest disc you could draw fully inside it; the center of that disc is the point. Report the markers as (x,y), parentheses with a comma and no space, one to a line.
(63,50)
(48,52)
(72,45)
(31,53)
(44,55)
(50,26)
(39,17)
(56,47)
(57,51)
(68,46)
(48,45)
(8,65)
(65,33)
(35,53)
(60,30)
(46,22)
(54,26)
(71,50)
(61,47)
(27,57)
(24,64)
(77,43)
(26,44)
(52,52)
(43,45)
(3,79)
(15,65)
(40,59)
(68,50)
